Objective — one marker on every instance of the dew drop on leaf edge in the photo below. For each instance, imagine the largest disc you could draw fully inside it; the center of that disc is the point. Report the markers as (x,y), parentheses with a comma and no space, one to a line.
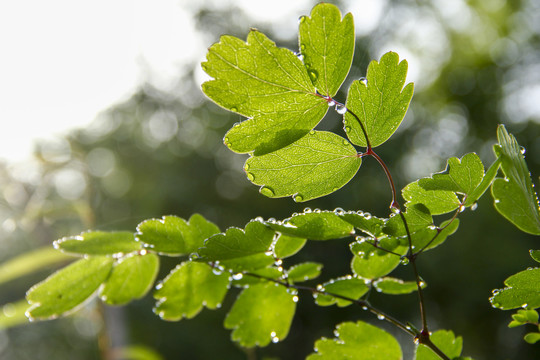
(266,191)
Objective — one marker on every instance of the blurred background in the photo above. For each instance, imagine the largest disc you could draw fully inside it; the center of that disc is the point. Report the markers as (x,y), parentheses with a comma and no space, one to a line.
(108,94)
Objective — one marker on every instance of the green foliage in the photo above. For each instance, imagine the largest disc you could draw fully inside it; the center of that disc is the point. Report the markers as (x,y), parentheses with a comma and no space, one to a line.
(393,286)
(341,290)
(446,341)
(320,225)
(360,341)
(304,271)
(522,291)
(99,243)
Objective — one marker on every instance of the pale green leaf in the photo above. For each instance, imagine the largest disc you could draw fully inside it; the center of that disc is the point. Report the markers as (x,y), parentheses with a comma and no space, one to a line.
(372,263)
(288,246)
(532,338)
(359,341)
(270,85)
(365,222)
(131,278)
(393,286)
(324,225)
(522,290)
(304,271)
(189,287)
(380,104)
(327,45)
(485,184)
(446,341)
(417,216)
(239,249)
(99,243)
(316,165)
(172,235)
(68,288)
(514,197)
(262,313)
(437,201)
(349,287)
(433,237)
(535,254)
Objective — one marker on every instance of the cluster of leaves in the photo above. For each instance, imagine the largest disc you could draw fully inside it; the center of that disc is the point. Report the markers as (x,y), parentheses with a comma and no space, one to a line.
(284,96)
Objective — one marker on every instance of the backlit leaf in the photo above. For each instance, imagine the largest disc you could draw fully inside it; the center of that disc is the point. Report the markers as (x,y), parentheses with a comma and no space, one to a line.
(359,341)
(523,290)
(349,287)
(446,341)
(173,235)
(437,201)
(535,254)
(131,278)
(393,286)
(417,216)
(189,287)
(262,313)
(532,338)
(425,236)
(372,263)
(381,103)
(68,288)
(327,45)
(270,85)
(316,165)
(99,243)
(324,225)
(304,271)
(288,245)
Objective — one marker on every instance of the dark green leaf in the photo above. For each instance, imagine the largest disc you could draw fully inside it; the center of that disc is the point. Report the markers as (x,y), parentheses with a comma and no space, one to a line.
(288,246)
(324,225)
(99,243)
(349,287)
(262,313)
(359,341)
(270,85)
(372,263)
(446,341)
(380,104)
(316,165)
(173,235)
(514,196)
(67,288)
(437,201)
(304,271)
(240,250)
(188,288)
(522,290)
(393,286)
(131,278)
(327,45)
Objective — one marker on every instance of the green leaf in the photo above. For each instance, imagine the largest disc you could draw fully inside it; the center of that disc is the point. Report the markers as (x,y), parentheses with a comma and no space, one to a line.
(324,225)
(189,287)
(446,341)
(304,271)
(423,237)
(99,243)
(270,85)
(485,184)
(67,288)
(327,45)
(172,235)
(316,165)
(371,263)
(532,337)
(256,276)
(31,262)
(514,196)
(365,222)
(349,287)
(262,313)
(359,341)
(393,286)
(381,104)
(131,278)
(240,250)
(287,246)
(535,254)
(437,201)
(13,314)
(522,290)
(417,216)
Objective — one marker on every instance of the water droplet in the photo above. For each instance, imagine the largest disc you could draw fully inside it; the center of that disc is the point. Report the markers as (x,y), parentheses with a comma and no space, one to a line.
(341,109)
(364,307)
(271,221)
(320,288)
(367,216)
(298,198)
(416,340)
(404,260)
(295,298)
(302,19)
(360,212)
(339,211)
(237,276)
(522,150)
(307,210)
(313,75)
(193,256)
(347,129)
(234,109)
(497,201)
(278,262)
(422,284)
(269,253)
(524,306)
(474,206)
(217,271)
(266,191)
(317,211)
(331,102)
(312,132)
(275,339)
(381,317)
(462,208)
(432,227)
(363,80)
(250,176)
(360,239)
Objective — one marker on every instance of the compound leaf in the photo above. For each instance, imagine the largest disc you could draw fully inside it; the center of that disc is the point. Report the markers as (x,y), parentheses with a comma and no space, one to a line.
(523,290)
(381,103)
(189,287)
(239,249)
(437,201)
(316,165)
(514,196)
(131,278)
(393,286)
(360,341)
(304,271)
(262,313)
(99,243)
(327,46)
(446,341)
(172,235)
(67,288)
(324,225)
(434,237)
(418,218)
(349,287)
(270,85)
(372,263)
